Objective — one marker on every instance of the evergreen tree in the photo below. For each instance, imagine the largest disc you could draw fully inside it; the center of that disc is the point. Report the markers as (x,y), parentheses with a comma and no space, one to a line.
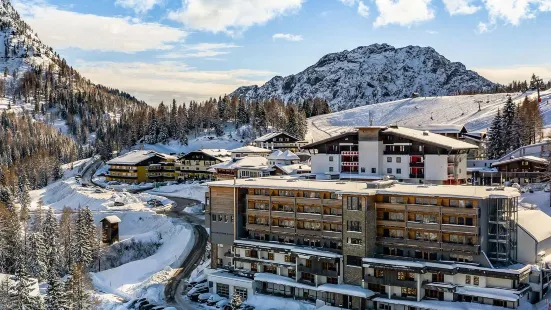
(5,300)
(50,230)
(495,146)
(37,257)
(85,238)
(24,199)
(173,127)
(55,295)
(20,292)
(66,241)
(242,115)
(78,286)
(507,125)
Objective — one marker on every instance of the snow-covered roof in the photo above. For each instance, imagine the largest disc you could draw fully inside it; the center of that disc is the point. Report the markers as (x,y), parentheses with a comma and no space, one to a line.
(346,289)
(533,159)
(227,275)
(342,187)
(430,138)
(437,304)
(292,248)
(251,162)
(287,155)
(294,168)
(137,156)
(274,278)
(494,293)
(221,154)
(250,149)
(536,223)
(112,219)
(441,128)
(269,136)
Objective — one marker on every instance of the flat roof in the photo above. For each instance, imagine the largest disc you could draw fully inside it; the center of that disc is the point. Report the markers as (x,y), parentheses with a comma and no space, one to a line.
(136,157)
(536,223)
(534,159)
(360,188)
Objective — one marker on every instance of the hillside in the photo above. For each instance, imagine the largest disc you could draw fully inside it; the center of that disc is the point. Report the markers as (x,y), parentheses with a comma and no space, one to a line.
(423,111)
(371,74)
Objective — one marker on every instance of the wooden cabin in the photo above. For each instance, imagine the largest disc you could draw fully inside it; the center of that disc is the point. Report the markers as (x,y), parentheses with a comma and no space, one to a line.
(110,229)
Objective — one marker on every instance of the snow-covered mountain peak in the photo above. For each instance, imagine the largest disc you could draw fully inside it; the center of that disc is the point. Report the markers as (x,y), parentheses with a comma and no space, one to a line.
(372,74)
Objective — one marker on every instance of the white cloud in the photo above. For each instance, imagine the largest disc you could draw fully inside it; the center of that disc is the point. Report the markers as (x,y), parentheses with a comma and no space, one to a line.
(506,75)
(231,16)
(363,9)
(483,28)
(287,36)
(65,29)
(139,6)
(403,12)
(432,32)
(348,2)
(201,50)
(461,7)
(163,81)
(510,11)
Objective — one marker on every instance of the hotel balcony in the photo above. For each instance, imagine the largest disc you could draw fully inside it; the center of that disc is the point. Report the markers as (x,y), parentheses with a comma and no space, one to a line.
(389,223)
(318,271)
(332,202)
(456,210)
(308,201)
(423,226)
(457,247)
(417,176)
(281,229)
(423,208)
(459,228)
(309,216)
(258,197)
(308,232)
(332,234)
(390,206)
(258,212)
(258,227)
(418,164)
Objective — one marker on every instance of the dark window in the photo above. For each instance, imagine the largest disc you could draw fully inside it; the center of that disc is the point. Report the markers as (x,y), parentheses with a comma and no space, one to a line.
(398,170)
(389,159)
(330,158)
(353,260)
(363,170)
(373,170)
(388,170)
(354,203)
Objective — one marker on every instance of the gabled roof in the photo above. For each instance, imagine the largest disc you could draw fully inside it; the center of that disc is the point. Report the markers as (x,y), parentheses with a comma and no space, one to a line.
(294,168)
(443,128)
(430,138)
(269,136)
(250,149)
(533,159)
(112,219)
(136,157)
(536,223)
(287,155)
(320,142)
(253,162)
(220,154)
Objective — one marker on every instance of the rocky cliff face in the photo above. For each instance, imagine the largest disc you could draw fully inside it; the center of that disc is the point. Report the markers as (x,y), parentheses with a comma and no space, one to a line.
(372,74)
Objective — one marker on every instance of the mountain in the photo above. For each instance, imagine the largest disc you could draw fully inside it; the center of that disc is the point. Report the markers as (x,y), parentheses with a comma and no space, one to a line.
(372,74)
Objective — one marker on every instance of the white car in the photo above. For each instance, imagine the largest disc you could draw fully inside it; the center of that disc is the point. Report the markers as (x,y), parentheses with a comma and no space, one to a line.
(214,299)
(222,303)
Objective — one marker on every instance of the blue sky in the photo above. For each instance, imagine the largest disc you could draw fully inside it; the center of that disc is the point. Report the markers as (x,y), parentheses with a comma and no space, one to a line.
(195,49)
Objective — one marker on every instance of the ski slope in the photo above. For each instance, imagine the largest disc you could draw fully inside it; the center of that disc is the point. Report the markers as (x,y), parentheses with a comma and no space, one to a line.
(422,111)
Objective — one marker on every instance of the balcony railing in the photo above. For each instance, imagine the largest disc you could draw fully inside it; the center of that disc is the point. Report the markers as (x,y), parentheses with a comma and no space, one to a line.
(319,271)
(417,176)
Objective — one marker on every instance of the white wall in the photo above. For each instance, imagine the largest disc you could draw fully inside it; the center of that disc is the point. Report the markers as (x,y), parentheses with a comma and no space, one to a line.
(527,251)
(462,167)
(436,167)
(321,163)
(404,165)
(371,153)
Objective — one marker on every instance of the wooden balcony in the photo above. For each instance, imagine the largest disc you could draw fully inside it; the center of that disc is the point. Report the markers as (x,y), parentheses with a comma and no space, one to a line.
(391,241)
(318,271)
(258,212)
(283,214)
(307,232)
(456,247)
(391,223)
(332,202)
(453,210)
(423,208)
(309,216)
(423,244)
(332,234)
(459,228)
(423,226)
(332,218)
(287,230)
(258,197)
(258,227)
(283,199)
(374,280)
(390,206)
(308,201)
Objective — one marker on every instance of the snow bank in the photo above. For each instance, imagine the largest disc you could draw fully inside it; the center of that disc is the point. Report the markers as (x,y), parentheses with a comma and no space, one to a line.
(265,302)
(192,191)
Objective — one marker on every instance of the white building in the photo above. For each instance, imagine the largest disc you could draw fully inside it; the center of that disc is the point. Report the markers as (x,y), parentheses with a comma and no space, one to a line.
(249,150)
(283,158)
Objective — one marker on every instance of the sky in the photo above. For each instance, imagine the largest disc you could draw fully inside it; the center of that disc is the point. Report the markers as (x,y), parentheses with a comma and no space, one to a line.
(159,50)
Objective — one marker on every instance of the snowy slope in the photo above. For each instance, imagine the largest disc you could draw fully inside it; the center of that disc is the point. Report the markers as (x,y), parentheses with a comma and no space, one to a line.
(422,111)
(371,74)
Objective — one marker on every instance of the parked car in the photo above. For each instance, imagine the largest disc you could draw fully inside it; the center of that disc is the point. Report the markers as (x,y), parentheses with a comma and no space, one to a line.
(135,302)
(214,299)
(84,185)
(222,303)
(246,307)
(98,191)
(194,293)
(195,283)
(119,203)
(204,297)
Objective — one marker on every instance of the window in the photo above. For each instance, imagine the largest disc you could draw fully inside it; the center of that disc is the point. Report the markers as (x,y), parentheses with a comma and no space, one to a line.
(389,159)
(401,275)
(330,158)
(352,260)
(219,217)
(290,259)
(354,226)
(373,170)
(467,279)
(332,280)
(398,170)
(379,273)
(398,159)
(476,280)
(308,276)
(330,169)
(214,217)
(388,170)
(355,241)
(354,203)
(270,256)
(396,199)
(363,169)
(223,290)
(242,292)
(406,291)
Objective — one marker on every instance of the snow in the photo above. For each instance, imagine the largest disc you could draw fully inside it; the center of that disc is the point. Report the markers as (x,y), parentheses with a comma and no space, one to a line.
(439,305)
(228,141)
(346,289)
(267,137)
(193,190)
(276,279)
(258,162)
(279,155)
(536,223)
(533,159)
(493,293)
(249,149)
(292,248)
(442,128)
(135,157)
(221,154)
(295,168)
(430,138)
(112,219)
(423,111)
(265,302)
(34,289)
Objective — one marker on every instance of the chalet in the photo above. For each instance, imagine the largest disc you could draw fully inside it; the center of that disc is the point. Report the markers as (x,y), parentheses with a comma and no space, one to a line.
(524,169)
(142,166)
(279,141)
(369,153)
(249,150)
(245,167)
(196,164)
(283,158)
(459,132)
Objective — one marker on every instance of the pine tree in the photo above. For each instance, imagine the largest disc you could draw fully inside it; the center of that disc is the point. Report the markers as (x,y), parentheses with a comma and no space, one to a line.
(24,199)
(66,240)
(495,146)
(55,296)
(5,300)
(37,257)
(242,115)
(507,124)
(78,286)
(85,238)
(236,301)
(173,127)
(50,230)
(20,293)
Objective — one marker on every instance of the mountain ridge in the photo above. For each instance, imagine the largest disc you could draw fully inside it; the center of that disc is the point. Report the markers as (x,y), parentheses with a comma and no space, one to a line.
(372,74)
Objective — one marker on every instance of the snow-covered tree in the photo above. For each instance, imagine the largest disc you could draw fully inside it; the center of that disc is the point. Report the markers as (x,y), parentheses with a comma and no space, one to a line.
(236,301)
(24,198)
(36,255)
(50,231)
(20,292)
(77,289)
(66,240)
(56,298)
(507,124)
(495,145)
(85,238)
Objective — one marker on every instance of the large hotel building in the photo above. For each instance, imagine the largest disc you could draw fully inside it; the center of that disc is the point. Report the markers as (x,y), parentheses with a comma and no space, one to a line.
(366,245)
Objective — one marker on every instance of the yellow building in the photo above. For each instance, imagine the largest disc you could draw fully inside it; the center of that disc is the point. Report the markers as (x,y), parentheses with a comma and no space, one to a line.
(142,167)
